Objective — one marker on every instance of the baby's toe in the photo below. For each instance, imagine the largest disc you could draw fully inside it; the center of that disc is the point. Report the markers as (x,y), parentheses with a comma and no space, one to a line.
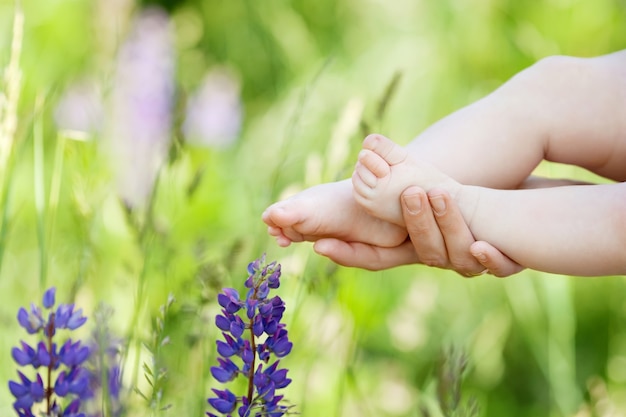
(365,175)
(385,148)
(374,163)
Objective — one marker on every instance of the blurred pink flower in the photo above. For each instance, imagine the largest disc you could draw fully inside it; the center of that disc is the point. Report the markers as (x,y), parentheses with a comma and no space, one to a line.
(214,111)
(139,128)
(79,112)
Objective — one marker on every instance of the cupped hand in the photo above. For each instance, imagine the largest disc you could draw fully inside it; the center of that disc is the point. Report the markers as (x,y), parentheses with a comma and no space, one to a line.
(439,237)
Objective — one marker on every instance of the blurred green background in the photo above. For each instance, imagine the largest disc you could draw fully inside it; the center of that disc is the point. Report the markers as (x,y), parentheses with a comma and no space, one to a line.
(310,75)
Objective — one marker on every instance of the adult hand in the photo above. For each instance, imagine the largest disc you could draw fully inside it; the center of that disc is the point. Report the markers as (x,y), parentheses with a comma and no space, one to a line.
(439,237)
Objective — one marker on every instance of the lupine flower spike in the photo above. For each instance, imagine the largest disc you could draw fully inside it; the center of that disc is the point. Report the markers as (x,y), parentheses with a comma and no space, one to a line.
(105,367)
(244,323)
(64,362)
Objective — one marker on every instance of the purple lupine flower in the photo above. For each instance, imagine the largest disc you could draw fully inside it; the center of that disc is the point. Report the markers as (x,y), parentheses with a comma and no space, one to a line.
(73,354)
(229,300)
(225,402)
(25,356)
(227,371)
(105,367)
(139,126)
(27,393)
(214,112)
(49,297)
(71,380)
(72,410)
(242,340)
(268,380)
(31,321)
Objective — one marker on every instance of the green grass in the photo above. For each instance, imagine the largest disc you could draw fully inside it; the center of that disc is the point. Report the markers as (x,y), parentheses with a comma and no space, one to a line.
(313,74)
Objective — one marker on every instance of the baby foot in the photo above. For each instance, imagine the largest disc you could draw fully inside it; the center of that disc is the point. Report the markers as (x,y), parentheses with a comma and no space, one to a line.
(384,170)
(328,211)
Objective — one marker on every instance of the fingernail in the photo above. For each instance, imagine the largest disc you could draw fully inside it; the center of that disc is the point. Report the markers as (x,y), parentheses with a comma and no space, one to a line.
(439,205)
(320,248)
(413,203)
(480,257)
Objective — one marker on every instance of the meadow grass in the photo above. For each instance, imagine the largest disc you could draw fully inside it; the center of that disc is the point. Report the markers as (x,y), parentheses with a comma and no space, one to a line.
(315,76)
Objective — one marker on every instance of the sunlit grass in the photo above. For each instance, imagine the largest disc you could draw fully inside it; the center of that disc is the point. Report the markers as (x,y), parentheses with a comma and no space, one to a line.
(315,77)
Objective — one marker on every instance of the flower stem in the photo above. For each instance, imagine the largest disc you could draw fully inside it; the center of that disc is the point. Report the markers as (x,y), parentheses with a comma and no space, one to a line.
(49,390)
(253,347)
(251,372)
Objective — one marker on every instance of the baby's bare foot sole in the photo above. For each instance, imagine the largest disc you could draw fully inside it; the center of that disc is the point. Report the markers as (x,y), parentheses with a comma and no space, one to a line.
(328,210)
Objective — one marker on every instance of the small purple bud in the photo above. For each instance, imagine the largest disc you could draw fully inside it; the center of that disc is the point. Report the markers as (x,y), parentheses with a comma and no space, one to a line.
(222,323)
(229,300)
(76,320)
(244,410)
(79,381)
(221,375)
(251,307)
(249,282)
(228,348)
(115,381)
(33,321)
(263,291)
(22,318)
(247,355)
(37,390)
(282,347)
(273,280)
(226,372)
(225,349)
(24,356)
(225,401)
(24,403)
(254,266)
(265,309)
(63,314)
(73,354)
(61,386)
(264,355)
(279,377)
(43,356)
(264,385)
(271,326)
(237,327)
(257,326)
(18,390)
(277,302)
(48,297)
(278,308)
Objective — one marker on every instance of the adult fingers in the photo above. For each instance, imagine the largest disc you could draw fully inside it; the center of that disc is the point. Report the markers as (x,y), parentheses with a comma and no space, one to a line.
(362,255)
(428,243)
(456,233)
(495,261)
